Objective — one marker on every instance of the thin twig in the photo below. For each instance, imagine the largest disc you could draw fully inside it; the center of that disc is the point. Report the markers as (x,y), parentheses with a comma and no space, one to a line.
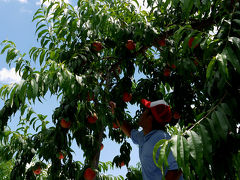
(207,114)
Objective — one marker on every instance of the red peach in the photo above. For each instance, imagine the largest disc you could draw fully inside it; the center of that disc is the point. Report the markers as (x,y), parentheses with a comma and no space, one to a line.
(127,97)
(122,164)
(166,72)
(162,42)
(130,45)
(65,124)
(89,174)
(92,119)
(176,115)
(173,66)
(115,126)
(61,156)
(102,146)
(37,171)
(97,46)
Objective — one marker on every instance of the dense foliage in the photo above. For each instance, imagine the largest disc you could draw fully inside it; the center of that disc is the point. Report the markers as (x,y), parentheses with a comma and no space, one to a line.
(188,52)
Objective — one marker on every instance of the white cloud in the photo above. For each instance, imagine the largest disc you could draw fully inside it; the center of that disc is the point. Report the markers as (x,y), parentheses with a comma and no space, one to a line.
(9,76)
(23,1)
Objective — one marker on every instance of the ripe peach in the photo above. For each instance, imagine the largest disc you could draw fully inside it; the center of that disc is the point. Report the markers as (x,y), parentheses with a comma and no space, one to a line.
(162,42)
(167,72)
(115,126)
(38,170)
(97,46)
(130,45)
(102,146)
(89,174)
(122,164)
(173,66)
(92,119)
(127,97)
(61,156)
(176,115)
(65,124)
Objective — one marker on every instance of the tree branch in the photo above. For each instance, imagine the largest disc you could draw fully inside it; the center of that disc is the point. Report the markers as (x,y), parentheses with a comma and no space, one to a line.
(210,111)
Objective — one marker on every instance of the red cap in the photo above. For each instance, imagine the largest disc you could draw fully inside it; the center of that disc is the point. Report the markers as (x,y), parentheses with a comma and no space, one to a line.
(160,110)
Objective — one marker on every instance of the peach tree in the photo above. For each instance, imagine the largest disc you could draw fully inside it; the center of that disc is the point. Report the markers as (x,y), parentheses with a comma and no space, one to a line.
(187,52)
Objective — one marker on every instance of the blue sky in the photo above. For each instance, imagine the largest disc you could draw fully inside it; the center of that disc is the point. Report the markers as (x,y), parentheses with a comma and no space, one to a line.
(17,26)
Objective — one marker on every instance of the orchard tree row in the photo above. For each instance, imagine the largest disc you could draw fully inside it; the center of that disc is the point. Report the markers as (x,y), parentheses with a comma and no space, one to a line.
(188,54)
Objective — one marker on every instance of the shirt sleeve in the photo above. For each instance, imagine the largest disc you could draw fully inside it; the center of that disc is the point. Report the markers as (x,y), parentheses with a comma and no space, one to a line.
(137,136)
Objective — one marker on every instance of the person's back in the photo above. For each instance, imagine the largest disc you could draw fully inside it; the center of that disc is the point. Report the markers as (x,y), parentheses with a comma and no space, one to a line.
(146,145)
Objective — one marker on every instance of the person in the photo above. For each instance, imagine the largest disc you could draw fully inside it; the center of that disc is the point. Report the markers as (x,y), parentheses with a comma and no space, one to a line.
(153,120)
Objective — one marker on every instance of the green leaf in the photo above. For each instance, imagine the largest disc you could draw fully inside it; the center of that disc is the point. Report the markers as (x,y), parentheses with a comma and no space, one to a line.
(29,93)
(213,130)
(4,49)
(183,150)
(178,35)
(206,141)
(230,56)
(195,145)
(39,27)
(225,108)
(237,21)
(34,88)
(12,94)
(45,43)
(41,59)
(2,88)
(29,114)
(42,32)
(158,145)
(180,150)
(50,7)
(32,50)
(23,108)
(57,13)
(163,147)
(174,147)
(222,119)
(235,41)
(197,3)
(187,6)
(136,3)
(18,64)
(210,68)
(222,59)
(11,54)
(38,17)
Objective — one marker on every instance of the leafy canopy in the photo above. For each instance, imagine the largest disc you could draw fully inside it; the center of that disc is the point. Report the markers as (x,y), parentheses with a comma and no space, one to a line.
(188,53)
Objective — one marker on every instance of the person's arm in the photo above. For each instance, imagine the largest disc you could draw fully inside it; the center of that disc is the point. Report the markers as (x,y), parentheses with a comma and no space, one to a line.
(173,174)
(124,126)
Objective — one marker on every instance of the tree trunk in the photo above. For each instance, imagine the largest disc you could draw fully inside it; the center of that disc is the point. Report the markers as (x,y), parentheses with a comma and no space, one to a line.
(99,139)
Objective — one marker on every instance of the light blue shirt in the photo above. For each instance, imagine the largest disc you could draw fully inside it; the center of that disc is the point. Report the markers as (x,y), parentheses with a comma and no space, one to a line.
(146,144)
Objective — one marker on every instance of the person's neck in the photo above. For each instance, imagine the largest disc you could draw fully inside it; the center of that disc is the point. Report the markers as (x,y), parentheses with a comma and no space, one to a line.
(146,131)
